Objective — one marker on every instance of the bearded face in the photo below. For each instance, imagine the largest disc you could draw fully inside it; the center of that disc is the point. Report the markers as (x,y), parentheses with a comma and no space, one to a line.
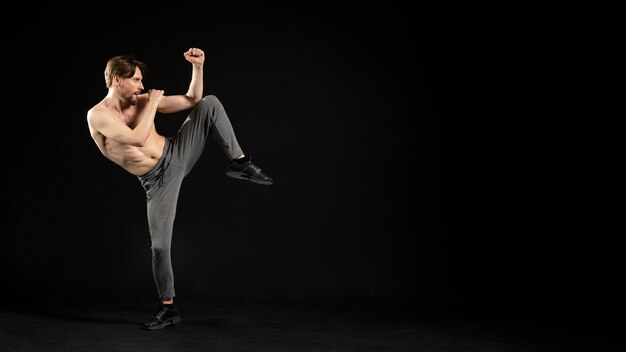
(131,87)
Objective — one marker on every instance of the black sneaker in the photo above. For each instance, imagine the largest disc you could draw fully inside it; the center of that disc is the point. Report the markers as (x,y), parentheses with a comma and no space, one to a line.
(166,316)
(248,171)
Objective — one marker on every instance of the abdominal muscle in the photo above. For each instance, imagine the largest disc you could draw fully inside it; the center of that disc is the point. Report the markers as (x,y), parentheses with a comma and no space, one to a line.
(136,160)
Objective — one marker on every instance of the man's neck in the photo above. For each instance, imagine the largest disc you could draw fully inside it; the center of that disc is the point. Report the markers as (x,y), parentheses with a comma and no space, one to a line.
(113,101)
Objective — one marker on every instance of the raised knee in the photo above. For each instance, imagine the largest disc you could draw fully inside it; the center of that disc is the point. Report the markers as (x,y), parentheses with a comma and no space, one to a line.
(210,100)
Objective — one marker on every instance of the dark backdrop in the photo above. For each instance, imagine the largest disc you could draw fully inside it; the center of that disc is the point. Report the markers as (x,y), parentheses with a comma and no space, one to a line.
(384,131)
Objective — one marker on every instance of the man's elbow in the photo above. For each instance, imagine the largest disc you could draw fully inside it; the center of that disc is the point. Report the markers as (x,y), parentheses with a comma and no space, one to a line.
(194,100)
(138,142)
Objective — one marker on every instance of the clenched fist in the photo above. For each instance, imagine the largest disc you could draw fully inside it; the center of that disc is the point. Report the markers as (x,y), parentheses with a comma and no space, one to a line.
(155,94)
(195,56)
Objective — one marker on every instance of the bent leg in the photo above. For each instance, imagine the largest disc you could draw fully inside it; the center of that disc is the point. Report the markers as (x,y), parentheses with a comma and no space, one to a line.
(207,118)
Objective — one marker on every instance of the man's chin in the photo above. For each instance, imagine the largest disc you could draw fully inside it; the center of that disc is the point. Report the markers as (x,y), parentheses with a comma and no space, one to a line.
(132,100)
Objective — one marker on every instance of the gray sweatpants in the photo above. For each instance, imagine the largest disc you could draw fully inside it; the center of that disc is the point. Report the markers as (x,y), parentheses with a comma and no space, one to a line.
(162,183)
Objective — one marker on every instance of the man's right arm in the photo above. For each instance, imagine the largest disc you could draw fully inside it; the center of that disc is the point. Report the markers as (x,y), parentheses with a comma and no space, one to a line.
(103,121)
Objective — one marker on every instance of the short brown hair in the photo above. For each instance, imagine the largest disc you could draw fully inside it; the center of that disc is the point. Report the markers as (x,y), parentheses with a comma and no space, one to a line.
(123,66)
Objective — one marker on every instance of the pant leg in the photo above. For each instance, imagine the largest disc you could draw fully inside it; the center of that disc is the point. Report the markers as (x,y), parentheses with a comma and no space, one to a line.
(208,117)
(162,184)
(161,208)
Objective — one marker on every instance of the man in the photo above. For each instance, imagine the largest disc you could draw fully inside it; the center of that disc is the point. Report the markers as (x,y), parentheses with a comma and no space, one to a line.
(122,126)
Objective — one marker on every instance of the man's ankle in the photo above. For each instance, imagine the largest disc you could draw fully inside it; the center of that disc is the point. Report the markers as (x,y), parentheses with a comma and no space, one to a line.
(240,160)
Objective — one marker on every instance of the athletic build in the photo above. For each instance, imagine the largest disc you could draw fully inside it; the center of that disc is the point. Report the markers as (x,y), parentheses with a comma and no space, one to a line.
(122,126)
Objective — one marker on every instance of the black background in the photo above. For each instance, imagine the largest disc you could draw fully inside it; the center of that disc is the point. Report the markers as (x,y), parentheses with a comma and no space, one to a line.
(412,162)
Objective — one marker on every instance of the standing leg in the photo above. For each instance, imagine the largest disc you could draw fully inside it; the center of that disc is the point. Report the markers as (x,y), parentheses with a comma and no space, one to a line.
(162,199)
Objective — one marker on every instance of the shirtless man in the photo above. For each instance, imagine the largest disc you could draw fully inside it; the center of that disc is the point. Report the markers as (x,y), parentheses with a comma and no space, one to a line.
(122,126)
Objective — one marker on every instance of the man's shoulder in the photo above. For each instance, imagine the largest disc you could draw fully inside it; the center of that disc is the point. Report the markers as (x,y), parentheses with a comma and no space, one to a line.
(97,113)
(99,108)
(96,108)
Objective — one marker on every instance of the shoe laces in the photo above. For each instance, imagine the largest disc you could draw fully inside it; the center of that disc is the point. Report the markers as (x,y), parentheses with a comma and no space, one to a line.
(253,168)
(160,314)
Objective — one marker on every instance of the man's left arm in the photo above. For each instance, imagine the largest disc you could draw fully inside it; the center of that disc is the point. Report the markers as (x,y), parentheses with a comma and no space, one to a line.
(176,103)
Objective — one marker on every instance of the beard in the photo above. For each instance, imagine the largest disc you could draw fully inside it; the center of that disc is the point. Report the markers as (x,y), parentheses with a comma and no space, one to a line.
(130,99)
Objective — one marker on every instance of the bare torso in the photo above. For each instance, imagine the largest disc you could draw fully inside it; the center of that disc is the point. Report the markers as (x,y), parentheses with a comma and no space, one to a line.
(136,160)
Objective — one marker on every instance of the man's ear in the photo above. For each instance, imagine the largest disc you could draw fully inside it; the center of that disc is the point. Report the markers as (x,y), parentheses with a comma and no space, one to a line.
(117,80)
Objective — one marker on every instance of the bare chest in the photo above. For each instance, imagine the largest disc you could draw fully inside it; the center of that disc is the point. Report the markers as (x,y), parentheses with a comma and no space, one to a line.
(130,116)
